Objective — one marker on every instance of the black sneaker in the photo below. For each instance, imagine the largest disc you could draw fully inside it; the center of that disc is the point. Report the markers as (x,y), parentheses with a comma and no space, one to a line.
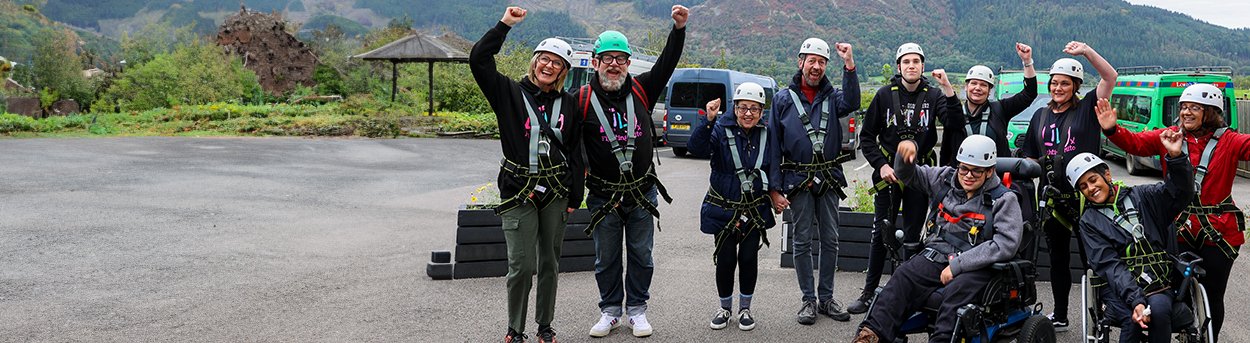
(860,305)
(546,335)
(807,314)
(745,322)
(721,319)
(834,310)
(514,337)
(1061,324)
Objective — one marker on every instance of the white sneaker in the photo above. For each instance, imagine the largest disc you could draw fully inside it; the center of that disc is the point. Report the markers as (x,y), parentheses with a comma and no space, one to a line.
(641,327)
(605,325)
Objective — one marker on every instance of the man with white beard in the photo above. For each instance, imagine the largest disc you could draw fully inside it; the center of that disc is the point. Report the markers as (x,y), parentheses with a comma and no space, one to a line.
(622,181)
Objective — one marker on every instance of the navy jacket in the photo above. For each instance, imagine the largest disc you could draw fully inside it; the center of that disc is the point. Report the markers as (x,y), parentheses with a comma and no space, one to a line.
(790,135)
(1158,205)
(707,138)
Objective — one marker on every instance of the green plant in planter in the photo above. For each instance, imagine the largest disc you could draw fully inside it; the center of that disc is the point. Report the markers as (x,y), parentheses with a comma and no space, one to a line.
(861,196)
(484,197)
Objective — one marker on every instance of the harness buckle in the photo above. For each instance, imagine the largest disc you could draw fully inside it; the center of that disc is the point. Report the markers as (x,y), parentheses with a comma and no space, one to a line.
(627,167)
(818,146)
(746,187)
(544,148)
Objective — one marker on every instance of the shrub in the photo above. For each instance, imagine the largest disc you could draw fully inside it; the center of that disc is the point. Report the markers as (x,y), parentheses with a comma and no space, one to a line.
(193,74)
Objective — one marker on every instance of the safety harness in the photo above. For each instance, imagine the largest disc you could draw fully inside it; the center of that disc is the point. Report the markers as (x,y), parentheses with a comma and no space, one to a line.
(1150,266)
(982,118)
(982,230)
(1203,213)
(1053,201)
(540,181)
(820,177)
(746,210)
(628,187)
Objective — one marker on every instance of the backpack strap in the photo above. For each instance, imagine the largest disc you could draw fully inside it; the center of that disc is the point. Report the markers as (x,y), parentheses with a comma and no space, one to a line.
(585,100)
(639,91)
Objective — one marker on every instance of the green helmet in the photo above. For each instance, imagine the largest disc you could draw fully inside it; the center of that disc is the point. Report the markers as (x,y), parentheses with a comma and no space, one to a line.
(612,41)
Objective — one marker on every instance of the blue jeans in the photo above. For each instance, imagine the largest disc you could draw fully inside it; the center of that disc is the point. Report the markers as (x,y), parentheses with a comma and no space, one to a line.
(815,216)
(637,230)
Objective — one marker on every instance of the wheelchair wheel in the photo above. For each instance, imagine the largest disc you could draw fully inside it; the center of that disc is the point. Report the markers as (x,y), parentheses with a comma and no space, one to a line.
(1202,314)
(1090,316)
(1037,329)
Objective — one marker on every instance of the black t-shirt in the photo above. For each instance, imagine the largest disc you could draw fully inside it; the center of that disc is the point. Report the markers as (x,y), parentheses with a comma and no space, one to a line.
(1061,136)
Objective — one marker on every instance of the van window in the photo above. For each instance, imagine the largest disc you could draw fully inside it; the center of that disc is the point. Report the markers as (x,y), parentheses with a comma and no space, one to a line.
(1131,108)
(663,96)
(768,98)
(695,94)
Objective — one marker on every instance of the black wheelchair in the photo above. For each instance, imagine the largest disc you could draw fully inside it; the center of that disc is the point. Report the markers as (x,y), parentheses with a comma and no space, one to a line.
(1008,304)
(1191,299)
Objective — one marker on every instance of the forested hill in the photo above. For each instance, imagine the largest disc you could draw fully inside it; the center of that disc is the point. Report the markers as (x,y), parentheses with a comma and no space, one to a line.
(762,36)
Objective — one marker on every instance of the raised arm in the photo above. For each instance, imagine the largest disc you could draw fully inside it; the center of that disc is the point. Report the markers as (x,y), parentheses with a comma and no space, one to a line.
(1020,101)
(482,57)
(653,81)
(848,96)
(1104,68)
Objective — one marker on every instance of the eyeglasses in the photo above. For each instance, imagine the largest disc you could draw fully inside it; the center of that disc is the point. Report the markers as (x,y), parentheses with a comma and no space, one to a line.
(1193,108)
(543,59)
(619,59)
(1060,84)
(973,172)
(749,109)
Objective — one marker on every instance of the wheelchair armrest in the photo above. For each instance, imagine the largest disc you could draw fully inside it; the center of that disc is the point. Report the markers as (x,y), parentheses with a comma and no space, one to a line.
(1016,268)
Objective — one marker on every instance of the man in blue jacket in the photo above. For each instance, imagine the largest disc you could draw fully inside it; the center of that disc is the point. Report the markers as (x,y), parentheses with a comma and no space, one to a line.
(807,170)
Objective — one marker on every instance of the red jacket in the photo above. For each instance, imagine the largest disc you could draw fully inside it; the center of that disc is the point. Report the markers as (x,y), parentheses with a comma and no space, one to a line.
(1217,185)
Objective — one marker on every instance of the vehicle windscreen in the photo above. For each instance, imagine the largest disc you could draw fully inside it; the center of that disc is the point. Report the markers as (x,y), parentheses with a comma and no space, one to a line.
(695,94)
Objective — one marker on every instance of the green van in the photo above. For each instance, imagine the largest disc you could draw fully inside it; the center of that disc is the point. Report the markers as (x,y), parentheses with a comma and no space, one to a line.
(1011,82)
(1146,98)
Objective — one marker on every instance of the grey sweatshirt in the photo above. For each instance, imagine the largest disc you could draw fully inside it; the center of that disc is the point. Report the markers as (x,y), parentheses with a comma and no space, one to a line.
(1008,221)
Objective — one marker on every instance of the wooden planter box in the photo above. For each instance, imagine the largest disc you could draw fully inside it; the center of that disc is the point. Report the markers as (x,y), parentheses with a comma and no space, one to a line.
(481,250)
(854,237)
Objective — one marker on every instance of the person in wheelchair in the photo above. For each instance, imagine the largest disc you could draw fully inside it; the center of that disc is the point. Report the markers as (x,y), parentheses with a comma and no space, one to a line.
(1130,239)
(959,253)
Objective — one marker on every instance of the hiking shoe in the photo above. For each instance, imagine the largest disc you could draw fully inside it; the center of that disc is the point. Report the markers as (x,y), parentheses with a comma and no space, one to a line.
(745,322)
(605,325)
(866,335)
(807,314)
(834,310)
(514,337)
(721,319)
(1060,324)
(860,305)
(641,327)
(546,335)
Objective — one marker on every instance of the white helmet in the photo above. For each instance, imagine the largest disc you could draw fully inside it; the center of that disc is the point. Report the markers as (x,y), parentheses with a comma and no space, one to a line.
(980,72)
(1069,67)
(815,46)
(909,48)
(750,91)
(1205,94)
(556,46)
(978,150)
(1080,164)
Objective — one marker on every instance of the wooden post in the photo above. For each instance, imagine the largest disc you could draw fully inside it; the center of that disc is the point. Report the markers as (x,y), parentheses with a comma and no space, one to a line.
(394,79)
(430,112)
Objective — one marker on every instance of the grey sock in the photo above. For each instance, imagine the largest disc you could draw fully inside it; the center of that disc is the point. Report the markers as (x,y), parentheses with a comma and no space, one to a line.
(744,301)
(727,302)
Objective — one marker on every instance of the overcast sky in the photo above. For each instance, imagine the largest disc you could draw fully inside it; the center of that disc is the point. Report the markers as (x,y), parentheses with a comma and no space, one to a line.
(1227,13)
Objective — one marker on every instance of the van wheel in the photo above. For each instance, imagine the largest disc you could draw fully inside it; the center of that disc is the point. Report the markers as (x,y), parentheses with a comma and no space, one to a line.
(680,152)
(1130,163)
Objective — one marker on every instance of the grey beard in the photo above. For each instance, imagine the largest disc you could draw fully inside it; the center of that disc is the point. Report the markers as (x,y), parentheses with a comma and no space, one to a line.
(609,84)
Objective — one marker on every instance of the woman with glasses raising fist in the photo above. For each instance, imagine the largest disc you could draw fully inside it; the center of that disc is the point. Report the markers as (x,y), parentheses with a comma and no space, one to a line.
(737,209)
(540,176)
(1212,225)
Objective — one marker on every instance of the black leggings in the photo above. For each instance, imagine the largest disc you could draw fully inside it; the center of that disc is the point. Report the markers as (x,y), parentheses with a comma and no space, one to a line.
(1218,266)
(1059,239)
(738,251)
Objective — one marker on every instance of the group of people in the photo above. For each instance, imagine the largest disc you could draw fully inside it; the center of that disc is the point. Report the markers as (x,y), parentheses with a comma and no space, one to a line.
(557,143)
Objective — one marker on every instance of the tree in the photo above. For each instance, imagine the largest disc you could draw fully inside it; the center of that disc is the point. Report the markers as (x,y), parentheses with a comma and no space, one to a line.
(887,72)
(58,68)
(195,73)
